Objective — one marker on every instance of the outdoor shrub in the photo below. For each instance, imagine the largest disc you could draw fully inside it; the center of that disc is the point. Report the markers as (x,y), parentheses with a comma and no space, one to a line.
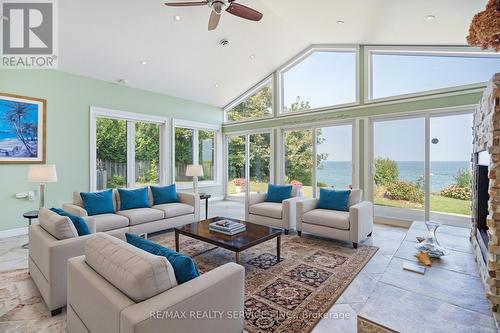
(116,181)
(322,184)
(403,190)
(386,171)
(456,191)
(463,178)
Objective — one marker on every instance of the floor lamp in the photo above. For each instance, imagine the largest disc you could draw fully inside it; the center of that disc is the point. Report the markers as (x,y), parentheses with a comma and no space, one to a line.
(42,174)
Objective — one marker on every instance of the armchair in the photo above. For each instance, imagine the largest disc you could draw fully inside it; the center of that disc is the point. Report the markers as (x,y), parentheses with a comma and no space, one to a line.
(278,215)
(352,226)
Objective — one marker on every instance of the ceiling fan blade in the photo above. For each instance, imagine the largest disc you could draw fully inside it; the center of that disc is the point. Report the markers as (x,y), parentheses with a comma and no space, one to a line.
(213,22)
(186,4)
(244,12)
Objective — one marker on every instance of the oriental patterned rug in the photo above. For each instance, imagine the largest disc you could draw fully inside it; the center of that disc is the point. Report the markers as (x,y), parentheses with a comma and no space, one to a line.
(294,294)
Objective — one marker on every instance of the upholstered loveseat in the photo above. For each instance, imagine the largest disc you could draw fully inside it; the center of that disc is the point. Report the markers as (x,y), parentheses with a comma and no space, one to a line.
(116,287)
(49,251)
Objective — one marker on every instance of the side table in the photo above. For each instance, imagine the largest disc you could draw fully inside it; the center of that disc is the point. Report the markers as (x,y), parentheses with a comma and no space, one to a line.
(33,214)
(204,196)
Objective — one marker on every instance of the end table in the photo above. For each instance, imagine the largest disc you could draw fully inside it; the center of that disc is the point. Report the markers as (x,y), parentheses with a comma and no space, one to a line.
(204,196)
(33,214)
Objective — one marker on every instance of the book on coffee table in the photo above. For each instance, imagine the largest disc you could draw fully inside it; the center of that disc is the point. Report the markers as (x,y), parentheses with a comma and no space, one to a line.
(227,227)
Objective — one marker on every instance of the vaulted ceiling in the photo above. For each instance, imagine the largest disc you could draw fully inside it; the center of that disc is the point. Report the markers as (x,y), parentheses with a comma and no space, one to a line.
(108,39)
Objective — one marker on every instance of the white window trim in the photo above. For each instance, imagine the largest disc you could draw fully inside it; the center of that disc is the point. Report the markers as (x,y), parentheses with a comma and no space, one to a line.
(313,127)
(130,117)
(301,57)
(427,115)
(197,126)
(250,92)
(247,135)
(418,50)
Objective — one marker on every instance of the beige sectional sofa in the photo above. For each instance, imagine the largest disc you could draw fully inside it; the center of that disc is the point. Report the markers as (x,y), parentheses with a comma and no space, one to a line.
(50,249)
(116,287)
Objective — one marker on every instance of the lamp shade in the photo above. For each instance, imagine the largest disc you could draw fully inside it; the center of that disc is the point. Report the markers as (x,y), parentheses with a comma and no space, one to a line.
(194,170)
(42,173)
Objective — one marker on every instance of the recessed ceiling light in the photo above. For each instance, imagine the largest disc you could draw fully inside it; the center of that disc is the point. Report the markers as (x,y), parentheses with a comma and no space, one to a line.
(252,56)
(177,18)
(143,62)
(339,22)
(429,17)
(216,85)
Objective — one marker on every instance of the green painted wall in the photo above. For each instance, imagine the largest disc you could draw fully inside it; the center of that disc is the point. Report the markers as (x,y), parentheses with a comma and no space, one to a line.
(68,100)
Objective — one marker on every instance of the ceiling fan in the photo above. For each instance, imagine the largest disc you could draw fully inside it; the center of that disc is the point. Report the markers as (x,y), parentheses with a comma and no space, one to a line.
(218,6)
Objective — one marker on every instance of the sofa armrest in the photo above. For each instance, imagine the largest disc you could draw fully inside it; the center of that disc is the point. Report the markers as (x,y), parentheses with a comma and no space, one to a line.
(74,209)
(304,206)
(361,220)
(91,224)
(192,200)
(290,212)
(220,291)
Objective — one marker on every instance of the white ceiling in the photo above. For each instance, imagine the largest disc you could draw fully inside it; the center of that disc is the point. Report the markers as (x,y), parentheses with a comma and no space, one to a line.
(108,39)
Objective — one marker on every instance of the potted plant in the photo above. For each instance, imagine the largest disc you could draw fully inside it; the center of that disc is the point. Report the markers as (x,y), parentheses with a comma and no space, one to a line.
(239,184)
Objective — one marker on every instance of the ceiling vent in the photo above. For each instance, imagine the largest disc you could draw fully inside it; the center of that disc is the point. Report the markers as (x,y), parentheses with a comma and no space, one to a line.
(224,42)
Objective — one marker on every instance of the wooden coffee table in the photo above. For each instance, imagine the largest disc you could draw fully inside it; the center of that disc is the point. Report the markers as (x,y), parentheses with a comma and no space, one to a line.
(254,235)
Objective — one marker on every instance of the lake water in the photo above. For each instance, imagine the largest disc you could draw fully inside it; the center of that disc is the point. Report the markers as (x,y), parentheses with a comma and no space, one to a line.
(443,174)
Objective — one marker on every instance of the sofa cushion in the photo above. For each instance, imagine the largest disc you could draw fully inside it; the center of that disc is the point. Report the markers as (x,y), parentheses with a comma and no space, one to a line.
(137,273)
(141,215)
(58,226)
(278,193)
(334,199)
(96,203)
(184,267)
(355,197)
(80,225)
(164,194)
(131,198)
(269,209)
(106,222)
(328,218)
(175,209)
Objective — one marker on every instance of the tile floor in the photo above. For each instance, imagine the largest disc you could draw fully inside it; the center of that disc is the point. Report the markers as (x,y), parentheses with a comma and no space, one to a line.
(448,298)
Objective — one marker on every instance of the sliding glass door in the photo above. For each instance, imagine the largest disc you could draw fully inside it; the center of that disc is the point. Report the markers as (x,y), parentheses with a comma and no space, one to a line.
(249,164)
(399,168)
(319,157)
(421,167)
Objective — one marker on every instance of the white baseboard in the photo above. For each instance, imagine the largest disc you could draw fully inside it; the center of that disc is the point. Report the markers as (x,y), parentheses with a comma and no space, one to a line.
(13,232)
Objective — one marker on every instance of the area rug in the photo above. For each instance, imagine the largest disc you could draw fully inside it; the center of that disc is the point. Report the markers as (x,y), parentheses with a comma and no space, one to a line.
(290,296)
(294,294)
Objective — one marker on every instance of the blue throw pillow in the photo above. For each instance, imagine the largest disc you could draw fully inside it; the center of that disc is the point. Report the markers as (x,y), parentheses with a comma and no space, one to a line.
(278,193)
(96,203)
(164,194)
(134,198)
(184,267)
(80,225)
(334,199)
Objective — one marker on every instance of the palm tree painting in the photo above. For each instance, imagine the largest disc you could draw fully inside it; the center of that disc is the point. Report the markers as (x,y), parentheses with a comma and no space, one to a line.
(22,120)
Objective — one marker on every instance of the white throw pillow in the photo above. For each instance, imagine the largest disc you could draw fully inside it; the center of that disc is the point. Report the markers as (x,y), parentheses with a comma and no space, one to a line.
(138,274)
(58,226)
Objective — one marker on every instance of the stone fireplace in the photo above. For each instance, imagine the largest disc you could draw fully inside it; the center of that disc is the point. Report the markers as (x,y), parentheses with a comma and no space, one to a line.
(485,233)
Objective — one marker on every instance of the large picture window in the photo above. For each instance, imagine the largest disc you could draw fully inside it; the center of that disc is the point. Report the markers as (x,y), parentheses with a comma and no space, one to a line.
(194,145)
(322,79)
(258,105)
(406,73)
(126,149)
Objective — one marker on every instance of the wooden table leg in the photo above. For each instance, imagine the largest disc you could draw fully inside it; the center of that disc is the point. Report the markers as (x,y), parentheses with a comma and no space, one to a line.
(176,241)
(206,209)
(278,248)
(237,256)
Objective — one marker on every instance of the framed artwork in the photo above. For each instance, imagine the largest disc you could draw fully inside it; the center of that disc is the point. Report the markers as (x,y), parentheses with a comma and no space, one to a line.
(22,129)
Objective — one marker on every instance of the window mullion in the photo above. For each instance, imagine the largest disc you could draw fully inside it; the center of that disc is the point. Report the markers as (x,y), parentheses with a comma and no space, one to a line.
(130,153)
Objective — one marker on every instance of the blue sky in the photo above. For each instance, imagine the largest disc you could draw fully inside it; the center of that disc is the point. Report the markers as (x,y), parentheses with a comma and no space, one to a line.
(328,78)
